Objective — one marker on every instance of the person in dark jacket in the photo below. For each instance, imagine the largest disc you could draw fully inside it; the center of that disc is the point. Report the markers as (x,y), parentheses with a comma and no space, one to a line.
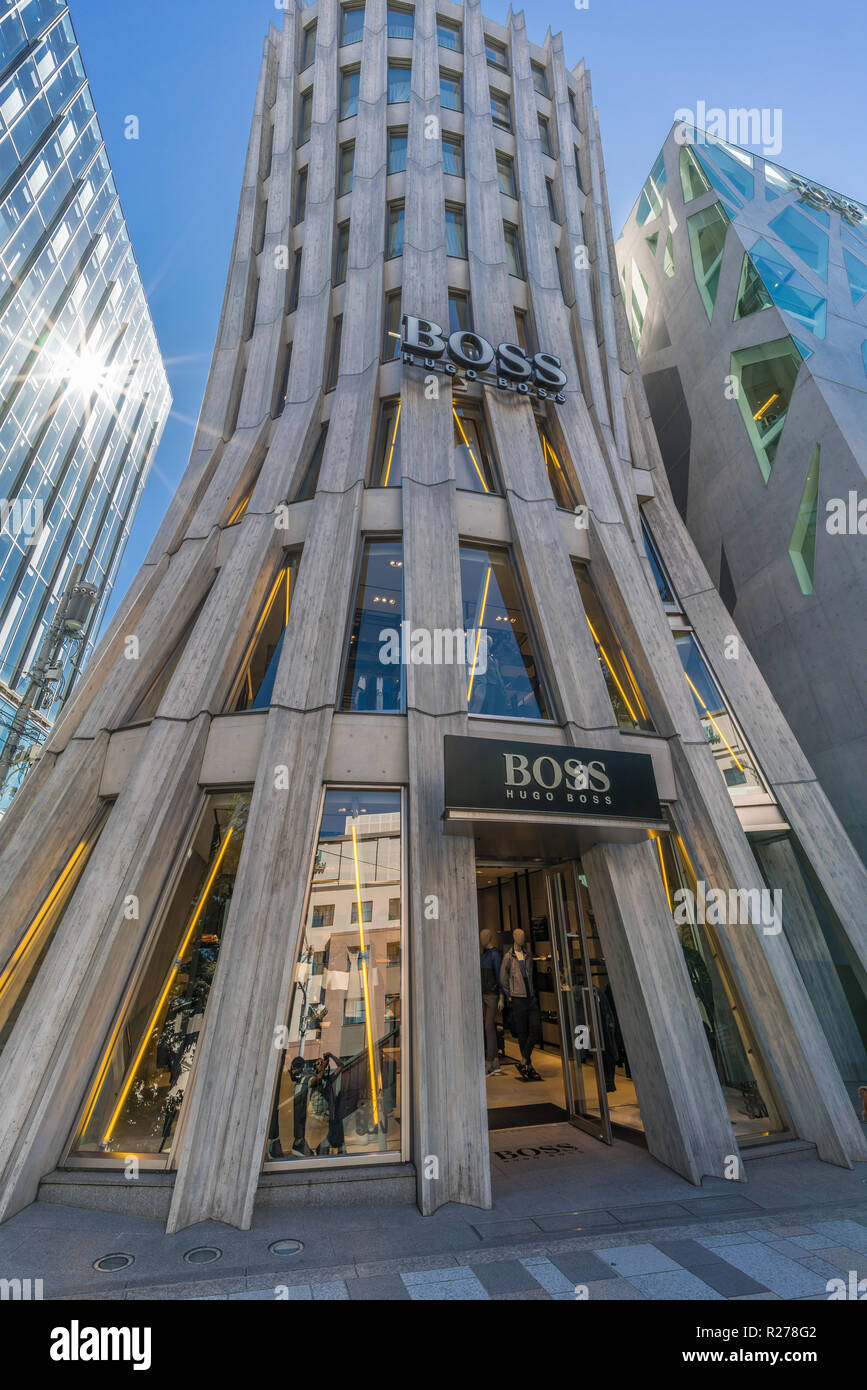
(491,961)
(518,980)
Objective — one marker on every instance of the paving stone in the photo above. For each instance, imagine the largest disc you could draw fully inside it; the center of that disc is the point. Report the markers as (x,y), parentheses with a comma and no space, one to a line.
(843,1259)
(199,1288)
(611,1290)
(813,1241)
(265,1279)
(297,1293)
(730,1281)
(497,1229)
(690,1254)
(851,1233)
(450,1291)
(506,1276)
(552,1279)
(531,1295)
(370,1268)
(767,1297)
(377,1287)
(636,1259)
(675,1284)
(660,1211)
(584,1267)
(331,1293)
(436,1275)
(777,1272)
(820,1266)
(720,1206)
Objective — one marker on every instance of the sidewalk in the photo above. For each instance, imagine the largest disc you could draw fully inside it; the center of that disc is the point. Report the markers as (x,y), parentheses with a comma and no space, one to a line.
(613,1221)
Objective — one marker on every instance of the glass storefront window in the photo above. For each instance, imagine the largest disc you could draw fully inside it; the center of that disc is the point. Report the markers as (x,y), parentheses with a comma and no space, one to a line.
(746,1090)
(766,376)
(140,1084)
(788,289)
(339,1082)
(374,680)
(626,701)
(504,681)
(730,752)
(22,967)
(259,669)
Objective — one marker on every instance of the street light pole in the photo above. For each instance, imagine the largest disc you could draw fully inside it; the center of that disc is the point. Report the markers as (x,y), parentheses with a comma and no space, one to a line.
(65,629)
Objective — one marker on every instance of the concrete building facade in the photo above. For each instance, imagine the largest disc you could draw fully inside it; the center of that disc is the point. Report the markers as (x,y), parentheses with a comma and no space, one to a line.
(746,290)
(422,646)
(83,391)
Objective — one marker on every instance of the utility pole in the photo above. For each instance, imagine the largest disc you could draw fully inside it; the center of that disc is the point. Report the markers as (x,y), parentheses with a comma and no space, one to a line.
(64,631)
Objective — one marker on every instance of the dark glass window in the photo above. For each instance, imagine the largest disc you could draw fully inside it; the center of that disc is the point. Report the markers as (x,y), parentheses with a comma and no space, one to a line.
(460,312)
(374,681)
(310,481)
(351,24)
(301,196)
(394,245)
(295,284)
(629,708)
(524,332)
(259,669)
(663,587)
(473,471)
(496,55)
(449,35)
(501,112)
(453,155)
(400,23)
(345,169)
(341,253)
(456,236)
(540,80)
(506,175)
(334,354)
(451,91)
(561,486)
(308,47)
(397,143)
(545,137)
(552,203)
(387,470)
(349,83)
(514,254)
(305,117)
(391,331)
(398,82)
(504,679)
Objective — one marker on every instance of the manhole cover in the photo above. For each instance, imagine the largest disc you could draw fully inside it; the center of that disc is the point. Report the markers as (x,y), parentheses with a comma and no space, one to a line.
(112,1262)
(202,1255)
(286,1247)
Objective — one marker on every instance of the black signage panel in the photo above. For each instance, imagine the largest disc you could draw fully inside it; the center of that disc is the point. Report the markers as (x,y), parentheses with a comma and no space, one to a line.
(483,774)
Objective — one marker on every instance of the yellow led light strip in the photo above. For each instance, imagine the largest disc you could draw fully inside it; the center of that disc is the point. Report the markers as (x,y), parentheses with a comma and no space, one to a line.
(479,626)
(393,442)
(39,919)
(240,509)
(468,448)
(604,656)
(549,450)
(715,724)
(206,893)
(770,401)
(686,857)
(664,874)
(364,984)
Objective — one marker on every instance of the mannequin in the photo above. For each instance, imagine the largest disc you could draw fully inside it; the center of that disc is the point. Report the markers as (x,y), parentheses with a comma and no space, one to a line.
(491,961)
(518,981)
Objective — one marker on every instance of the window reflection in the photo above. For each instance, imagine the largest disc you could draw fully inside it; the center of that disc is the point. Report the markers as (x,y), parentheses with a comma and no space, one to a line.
(504,680)
(141,1082)
(623,691)
(473,471)
(372,683)
(339,1086)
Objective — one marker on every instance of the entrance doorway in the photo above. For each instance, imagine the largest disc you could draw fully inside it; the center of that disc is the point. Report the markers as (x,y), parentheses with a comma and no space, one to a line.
(578,1069)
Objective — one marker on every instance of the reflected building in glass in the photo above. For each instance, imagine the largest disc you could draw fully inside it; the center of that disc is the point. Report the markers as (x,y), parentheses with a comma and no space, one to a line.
(435,782)
(745,286)
(83,391)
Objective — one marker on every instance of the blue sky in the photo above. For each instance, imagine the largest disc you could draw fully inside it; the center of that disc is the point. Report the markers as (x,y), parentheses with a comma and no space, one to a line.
(188,70)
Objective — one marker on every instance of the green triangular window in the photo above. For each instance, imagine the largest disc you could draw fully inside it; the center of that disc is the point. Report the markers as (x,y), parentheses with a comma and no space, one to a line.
(652,242)
(802,548)
(707,234)
(857,272)
(752,295)
(693,179)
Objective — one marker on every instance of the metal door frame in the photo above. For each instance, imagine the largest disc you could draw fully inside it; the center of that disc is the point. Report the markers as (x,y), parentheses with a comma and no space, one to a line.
(597,1126)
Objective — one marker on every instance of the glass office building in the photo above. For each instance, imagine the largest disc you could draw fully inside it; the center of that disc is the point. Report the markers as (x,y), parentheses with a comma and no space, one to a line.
(745,284)
(426,653)
(83,391)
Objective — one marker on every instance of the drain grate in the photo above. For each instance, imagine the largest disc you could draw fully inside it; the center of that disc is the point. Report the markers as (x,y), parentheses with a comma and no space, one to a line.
(202,1255)
(108,1263)
(286,1247)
